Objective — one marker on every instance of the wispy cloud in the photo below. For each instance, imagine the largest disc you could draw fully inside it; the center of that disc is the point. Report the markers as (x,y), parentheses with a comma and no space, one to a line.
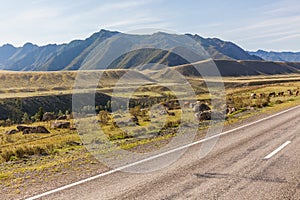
(285,38)
(281,8)
(266,24)
(251,23)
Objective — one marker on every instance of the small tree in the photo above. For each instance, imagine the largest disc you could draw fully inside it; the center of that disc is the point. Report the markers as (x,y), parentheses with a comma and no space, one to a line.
(25,118)
(8,122)
(108,105)
(60,113)
(39,114)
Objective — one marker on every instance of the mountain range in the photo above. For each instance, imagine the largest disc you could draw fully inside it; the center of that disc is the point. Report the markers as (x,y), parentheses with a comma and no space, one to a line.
(277,56)
(230,59)
(71,56)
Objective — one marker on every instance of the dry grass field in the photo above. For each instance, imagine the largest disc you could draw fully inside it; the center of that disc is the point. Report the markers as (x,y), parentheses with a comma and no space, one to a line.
(26,157)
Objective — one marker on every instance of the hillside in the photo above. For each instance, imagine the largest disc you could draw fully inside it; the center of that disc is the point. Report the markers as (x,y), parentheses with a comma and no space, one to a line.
(277,56)
(219,49)
(243,68)
(51,57)
(71,56)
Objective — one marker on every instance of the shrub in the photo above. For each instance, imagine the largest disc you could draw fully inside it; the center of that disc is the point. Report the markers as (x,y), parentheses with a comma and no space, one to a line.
(262,102)
(103,117)
(136,111)
(25,119)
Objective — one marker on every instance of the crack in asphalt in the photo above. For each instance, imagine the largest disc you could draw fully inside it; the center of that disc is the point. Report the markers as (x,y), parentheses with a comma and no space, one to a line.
(256,178)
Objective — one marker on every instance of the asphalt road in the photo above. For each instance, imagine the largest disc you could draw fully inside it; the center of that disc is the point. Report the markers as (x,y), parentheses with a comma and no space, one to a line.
(241,166)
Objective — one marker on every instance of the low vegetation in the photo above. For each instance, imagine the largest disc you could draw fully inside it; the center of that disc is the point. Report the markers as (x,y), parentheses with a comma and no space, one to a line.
(140,129)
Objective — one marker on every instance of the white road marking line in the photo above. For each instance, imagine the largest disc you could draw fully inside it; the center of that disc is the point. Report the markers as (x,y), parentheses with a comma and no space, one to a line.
(156,156)
(277,150)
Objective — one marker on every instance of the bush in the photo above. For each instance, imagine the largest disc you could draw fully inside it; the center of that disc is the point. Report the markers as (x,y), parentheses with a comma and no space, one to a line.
(262,102)
(39,114)
(22,151)
(25,119)
(136,111)
(103,117)
(172,124)
(118,136)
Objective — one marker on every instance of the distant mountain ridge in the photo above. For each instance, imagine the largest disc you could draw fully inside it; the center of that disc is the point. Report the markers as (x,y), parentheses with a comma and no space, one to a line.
(71,56)
(277,56)
(222,50)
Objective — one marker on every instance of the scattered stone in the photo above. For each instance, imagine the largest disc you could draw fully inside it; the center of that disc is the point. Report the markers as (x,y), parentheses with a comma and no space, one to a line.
(63,117)
(134,119)
(205,115)
(73,143)
(48,116)
(171,113)
(117,116)
(131,124)
(39,129)
(163,112)
(11,132)
(60,125)
(121,123)
(26,131)
(22,128)
(200,107)
(32,129)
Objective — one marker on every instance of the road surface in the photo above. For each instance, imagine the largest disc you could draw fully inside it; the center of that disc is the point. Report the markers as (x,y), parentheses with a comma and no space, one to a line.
(258,161)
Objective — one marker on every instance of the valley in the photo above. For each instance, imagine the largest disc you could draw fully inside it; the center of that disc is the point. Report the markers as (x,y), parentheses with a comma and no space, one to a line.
(61,154)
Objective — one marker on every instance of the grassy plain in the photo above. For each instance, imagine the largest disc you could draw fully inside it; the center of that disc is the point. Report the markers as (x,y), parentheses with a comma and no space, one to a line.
(24,159)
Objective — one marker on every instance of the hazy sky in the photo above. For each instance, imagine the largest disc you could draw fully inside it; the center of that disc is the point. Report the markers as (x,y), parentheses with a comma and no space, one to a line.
(252,24)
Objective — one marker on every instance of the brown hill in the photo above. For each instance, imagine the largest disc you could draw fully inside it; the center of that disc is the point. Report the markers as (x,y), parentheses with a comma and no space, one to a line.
(242,68)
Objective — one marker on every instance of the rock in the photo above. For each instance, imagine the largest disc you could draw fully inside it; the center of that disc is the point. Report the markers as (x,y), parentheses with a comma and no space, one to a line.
(39,129)
(121,123)
(26,131)
(134,119)
(11,132)
(131,121)
(32,129)
(230,110)
(22,128)
(60,125)
(171,113)
(200,107)
(278,101)
(131,124)
(205,115)
(117,116)
(163,112)
(128,122)
(48,116)
(73,143)
(63,117)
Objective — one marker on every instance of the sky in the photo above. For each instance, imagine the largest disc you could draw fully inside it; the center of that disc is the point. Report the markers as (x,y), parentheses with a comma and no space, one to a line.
(272,25)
